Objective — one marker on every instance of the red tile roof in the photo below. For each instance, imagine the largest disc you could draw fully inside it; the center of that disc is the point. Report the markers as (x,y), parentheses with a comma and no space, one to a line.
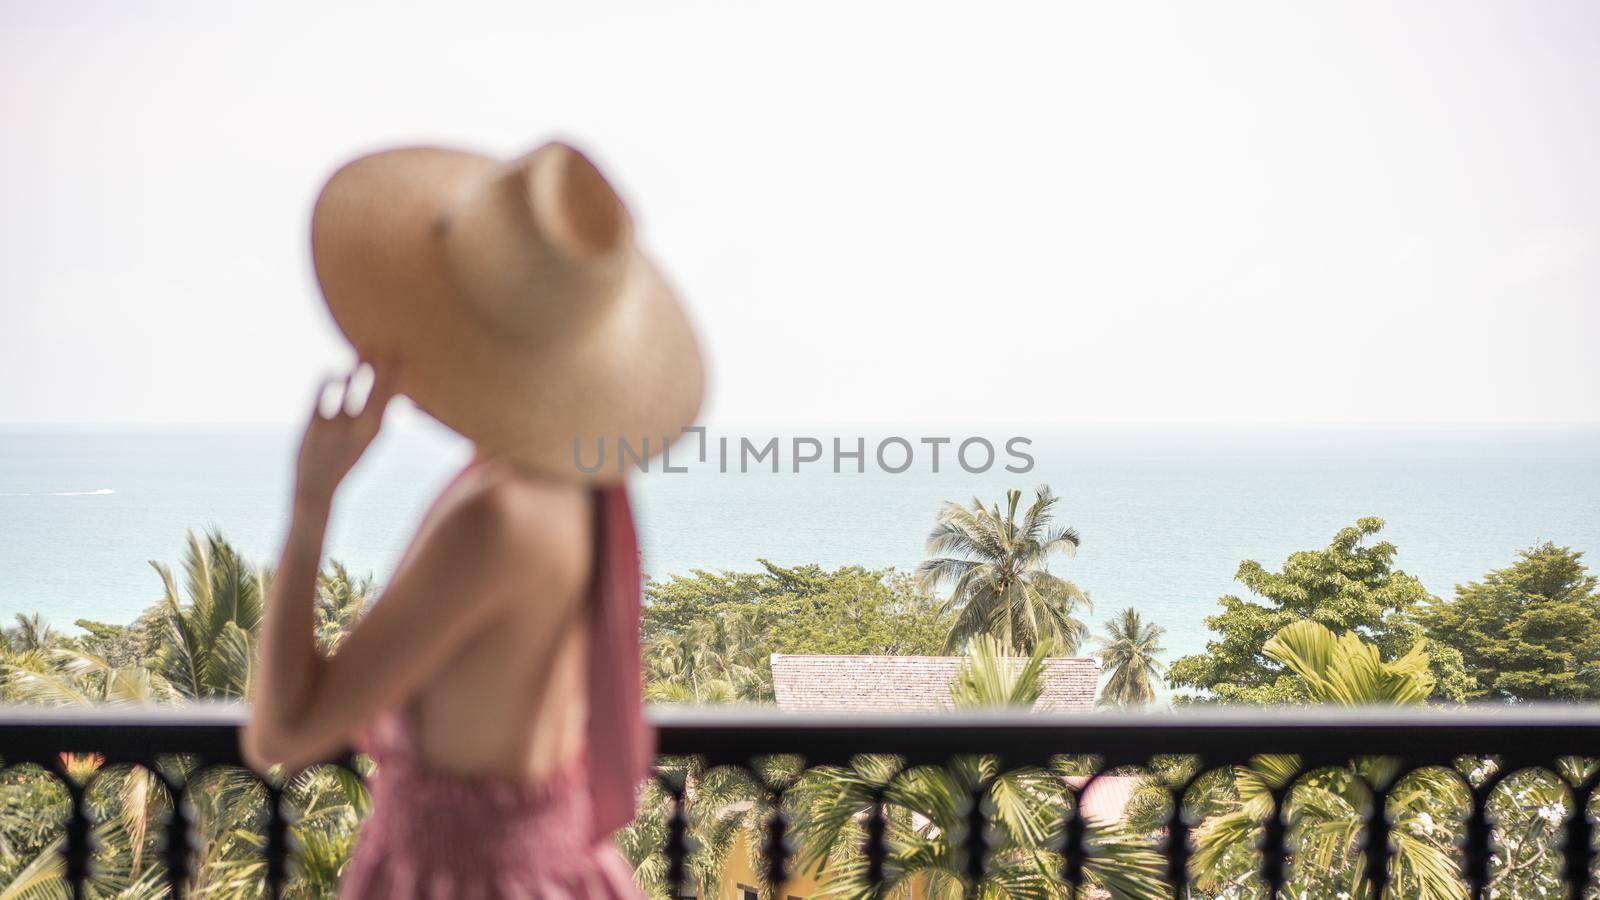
(911,683)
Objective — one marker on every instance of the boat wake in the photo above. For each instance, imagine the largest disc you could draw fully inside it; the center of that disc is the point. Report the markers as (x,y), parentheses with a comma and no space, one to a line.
(95,493)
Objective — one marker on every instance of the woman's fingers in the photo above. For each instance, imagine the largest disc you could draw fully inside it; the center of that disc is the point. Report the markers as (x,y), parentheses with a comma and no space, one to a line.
(360,394)
(330,397)
(358,389)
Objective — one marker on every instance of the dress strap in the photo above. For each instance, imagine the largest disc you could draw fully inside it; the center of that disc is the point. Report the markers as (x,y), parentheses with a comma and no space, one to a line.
(620,743)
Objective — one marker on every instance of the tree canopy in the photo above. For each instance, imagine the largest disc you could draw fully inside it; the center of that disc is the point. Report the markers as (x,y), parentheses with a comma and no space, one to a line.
(1349,587)
(710,635)
(1530,631)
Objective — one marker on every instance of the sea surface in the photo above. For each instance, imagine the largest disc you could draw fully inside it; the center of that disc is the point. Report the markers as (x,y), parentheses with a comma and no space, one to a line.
(1165,514)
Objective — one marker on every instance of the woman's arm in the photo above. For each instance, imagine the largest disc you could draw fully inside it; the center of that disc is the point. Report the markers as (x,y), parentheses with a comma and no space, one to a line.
(288,661)
(456,582)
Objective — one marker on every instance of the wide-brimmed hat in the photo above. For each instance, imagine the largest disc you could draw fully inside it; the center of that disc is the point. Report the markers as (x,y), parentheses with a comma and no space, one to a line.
(522,313)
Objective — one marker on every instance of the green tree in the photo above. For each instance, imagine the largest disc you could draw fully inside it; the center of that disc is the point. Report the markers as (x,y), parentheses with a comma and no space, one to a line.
(856,611)
(673,605)
(1530,631)
(1130,654)
(710,636)
(997,566)
(1348,587)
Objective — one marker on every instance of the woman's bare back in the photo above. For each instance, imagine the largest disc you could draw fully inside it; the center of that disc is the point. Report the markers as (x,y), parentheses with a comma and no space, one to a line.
(510,703)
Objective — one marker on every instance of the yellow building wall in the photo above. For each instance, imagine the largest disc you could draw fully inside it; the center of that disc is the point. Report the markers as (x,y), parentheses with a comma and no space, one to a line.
(739,876)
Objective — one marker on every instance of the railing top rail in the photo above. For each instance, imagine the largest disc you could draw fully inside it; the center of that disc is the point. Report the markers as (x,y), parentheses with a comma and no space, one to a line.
(1218,734)
(1537,715)
(735,734)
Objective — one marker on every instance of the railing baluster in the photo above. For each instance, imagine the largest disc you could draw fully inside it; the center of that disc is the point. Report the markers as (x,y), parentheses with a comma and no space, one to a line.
(1275,843)
(1177,847)
(277,841)
(876,846)
(77,851)
(1478,845)
(178,837)
(1072,850)
(677,845)
(775,777)
(776,849)
(1377,849)
(1579,846)
(975,843)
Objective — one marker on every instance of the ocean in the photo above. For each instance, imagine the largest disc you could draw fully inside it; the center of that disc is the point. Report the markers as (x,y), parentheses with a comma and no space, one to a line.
(1165,514)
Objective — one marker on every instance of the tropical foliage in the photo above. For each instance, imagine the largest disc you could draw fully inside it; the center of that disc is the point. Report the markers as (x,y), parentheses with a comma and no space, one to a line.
(196,643)
(718,659)
(926,812)
(1337,626)
(1324,809)
(997,567)
(927,809)
(1347,587)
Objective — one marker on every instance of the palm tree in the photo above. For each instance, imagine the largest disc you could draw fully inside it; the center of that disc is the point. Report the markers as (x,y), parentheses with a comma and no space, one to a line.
(717,660)
(197,646)
(32,634)
(1130,651)
(998,569)
(210,648)
(342,599)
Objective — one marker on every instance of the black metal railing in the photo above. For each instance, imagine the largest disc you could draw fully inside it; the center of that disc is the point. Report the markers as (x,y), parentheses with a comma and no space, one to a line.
(1509,740)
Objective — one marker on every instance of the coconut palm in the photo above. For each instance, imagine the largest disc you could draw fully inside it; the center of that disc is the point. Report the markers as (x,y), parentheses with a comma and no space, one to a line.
(32,634)
(341,601)
(73,677)
(210,648)
(718,660)
(997,566)
(1324,807)
(927,810)
(1129,654)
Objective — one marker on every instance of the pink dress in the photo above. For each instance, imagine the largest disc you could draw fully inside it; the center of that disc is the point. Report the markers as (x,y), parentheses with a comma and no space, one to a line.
(434,835)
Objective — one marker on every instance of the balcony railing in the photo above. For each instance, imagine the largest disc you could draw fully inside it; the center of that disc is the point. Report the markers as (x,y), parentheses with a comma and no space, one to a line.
(1515,739)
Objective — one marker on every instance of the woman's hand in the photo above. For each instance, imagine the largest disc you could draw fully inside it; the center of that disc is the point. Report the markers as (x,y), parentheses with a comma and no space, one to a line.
(342,426)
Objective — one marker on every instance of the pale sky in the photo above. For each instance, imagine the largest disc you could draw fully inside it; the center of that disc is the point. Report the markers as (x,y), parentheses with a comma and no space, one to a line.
(1048,214)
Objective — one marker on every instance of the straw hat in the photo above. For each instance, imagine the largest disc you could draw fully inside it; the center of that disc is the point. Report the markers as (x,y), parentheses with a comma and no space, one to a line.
(524,315)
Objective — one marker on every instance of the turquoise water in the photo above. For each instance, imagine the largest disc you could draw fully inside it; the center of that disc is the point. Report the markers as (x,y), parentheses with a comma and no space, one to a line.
(1165,514)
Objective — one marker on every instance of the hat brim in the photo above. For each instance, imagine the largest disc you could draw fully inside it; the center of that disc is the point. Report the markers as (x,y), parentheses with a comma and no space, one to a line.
(632,374)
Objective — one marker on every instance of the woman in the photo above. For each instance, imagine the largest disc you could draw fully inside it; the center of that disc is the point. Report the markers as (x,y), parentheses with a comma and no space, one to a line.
(496,680)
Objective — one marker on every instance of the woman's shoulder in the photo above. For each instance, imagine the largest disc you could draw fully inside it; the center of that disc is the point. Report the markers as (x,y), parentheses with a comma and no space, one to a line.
(498,505)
